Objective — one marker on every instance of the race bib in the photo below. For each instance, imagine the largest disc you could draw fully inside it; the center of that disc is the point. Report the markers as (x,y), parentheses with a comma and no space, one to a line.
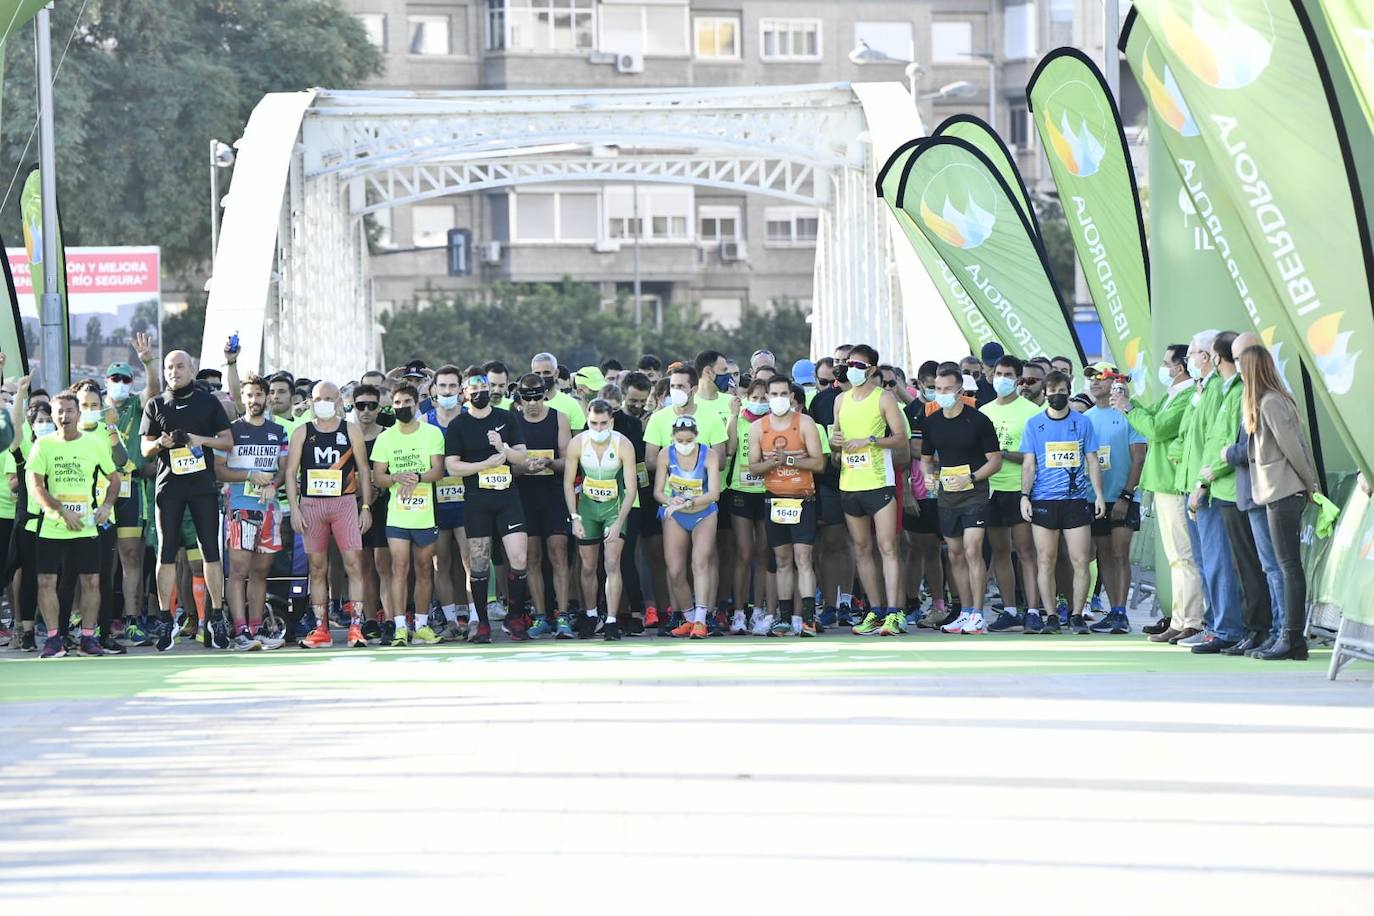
(126,488)
(79,505)
(947,475)
(642,474)
(750,479)
(323,482)
(683,486)
(1063,455)
(541,453)
(494,478)
(1104,457)
(785,511)
(417,501)
(451,490)
(858,461)
(185,461)
(600,491)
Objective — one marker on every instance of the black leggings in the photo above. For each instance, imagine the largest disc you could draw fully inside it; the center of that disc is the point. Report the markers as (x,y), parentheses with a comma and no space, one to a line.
(1285,522)
(171,508)
(629,569)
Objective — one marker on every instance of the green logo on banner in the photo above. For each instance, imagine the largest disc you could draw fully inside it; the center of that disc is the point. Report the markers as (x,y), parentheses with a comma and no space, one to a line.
(1077,126)
(1221,48)
(1165,96)
(958,205)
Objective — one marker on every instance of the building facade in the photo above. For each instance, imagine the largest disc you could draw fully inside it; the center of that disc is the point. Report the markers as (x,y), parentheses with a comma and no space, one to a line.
(695,248)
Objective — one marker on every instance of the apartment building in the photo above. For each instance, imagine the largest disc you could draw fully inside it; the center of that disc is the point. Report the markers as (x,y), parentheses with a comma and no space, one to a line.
(697,248)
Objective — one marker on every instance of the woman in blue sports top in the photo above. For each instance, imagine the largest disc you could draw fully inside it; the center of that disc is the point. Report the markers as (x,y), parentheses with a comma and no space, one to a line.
(687,487)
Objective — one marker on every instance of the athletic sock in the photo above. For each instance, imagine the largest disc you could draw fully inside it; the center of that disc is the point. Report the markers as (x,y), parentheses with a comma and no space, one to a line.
(87,631)
(610,616)
(937,604)
(200,596)
(784,608)
(699,613)
(254,624)
(479,597)
(517,587)
(451,613)
(808,609)
(796,622)
(240,629)
(472,612)
(321,615)
(1011,610)
(1118,610)
(421,620)
(592,612)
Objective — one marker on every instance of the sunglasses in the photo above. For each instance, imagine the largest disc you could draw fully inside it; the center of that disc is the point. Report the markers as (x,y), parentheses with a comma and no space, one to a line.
(531,395)
(857,364)
(891,384)
(365,405)
(127,379)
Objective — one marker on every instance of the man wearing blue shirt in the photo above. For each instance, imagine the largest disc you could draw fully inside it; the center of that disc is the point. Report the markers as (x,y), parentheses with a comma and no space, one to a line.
(1121,457)
(1061,493)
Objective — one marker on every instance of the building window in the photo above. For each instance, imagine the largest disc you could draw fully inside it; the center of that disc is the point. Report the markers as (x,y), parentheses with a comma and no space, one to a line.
(540,25)
(790,39)
(664,214)
(1061,23)
(785,226)
(651,30)
(1019,28)
(429,35)
(886,41)
(717,37)
(718,224)
(553,216)
(725,311)
(1019,130)
(429,225)
(374,24)
(951,41)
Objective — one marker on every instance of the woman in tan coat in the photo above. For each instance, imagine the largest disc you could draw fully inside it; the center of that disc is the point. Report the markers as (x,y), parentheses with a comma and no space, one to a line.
(1283,478)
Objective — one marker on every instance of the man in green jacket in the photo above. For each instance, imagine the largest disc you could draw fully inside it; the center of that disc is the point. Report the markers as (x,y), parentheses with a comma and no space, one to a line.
(1163,425)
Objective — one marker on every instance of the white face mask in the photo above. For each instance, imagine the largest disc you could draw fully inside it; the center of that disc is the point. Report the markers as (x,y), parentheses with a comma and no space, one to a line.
(90,418)
(684,448)
(324,410)
(119,391)
(447,401)
(601,436)
(677,398)
(44,429)
(780,405)
(1166,377)
(856,377)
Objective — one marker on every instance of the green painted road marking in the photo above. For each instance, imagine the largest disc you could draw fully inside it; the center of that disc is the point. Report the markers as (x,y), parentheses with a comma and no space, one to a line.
(408,671)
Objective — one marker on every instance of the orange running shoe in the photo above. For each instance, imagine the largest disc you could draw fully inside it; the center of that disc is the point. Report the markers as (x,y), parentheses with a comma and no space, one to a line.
(699,630)
(356,639)
(686,630)
(319,638)
(650,616)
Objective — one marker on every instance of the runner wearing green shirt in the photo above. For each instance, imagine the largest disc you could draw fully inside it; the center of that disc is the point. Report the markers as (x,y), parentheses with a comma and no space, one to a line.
(745,501)
(64,470)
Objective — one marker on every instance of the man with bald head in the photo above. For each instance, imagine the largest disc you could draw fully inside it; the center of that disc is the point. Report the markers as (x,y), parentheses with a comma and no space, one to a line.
(181,429)
(323,486)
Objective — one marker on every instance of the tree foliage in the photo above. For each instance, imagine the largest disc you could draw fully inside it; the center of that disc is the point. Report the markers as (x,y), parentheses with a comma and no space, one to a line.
(144,86)
(511,322)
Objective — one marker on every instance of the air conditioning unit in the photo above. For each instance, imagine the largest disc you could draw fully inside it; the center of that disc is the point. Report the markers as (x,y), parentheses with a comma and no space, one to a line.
(491,252)
(733,251)
(627,62)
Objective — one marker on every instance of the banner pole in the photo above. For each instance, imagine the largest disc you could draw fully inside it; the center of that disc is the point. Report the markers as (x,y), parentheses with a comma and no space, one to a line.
(56,371)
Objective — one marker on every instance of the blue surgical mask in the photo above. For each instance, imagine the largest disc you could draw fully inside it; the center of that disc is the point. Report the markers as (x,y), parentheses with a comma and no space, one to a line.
(946,401)
(723,382)
(928,394)
(1003,386)
(447,401)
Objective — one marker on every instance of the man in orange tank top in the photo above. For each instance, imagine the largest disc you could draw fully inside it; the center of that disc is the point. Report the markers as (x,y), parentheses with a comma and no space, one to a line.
(785,447)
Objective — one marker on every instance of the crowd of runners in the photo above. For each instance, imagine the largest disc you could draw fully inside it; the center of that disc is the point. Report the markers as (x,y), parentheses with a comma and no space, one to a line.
(685,498)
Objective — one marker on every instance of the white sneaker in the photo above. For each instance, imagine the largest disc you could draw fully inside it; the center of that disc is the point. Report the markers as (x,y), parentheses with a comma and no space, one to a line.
(958,625)
(738,625)
(762,624)
(270,642)
(975,625)
(496,610)
(1196,639)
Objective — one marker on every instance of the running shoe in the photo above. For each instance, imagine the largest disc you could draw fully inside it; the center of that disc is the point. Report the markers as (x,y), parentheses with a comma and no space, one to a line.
(496,610)
(893,625)
(269,640)
(112,646)
(53,647)
(356,638)
(633,627)
(958,624)
(716,624)
(563,629)
(401,638)
(650,616)
(137,636)
(28,642)
(808,629)
(190,627)
(1031,625)
(780,627)
(763,624)
(89,645)
(336,613)
(305,626)
(932,620)
(542,627)
(1196,639)
(168,637)
(975,625)
(844,616)
(1114,622)
(480,634)
(1005,622)
(426,636)
(372,630)
(739,626)
(1053,626)
(455,630)
(870,627)
(218,626)
(1061,608)
(684,630)
(1078,625)
(699,630)
(245,643)
(912,618)
(611,632)
(828,616)
(318,639)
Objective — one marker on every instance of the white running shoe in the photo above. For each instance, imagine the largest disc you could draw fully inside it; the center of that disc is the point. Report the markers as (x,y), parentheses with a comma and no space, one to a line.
(270,642)
(762,624)
(738,625)
(959,623)
(496,610)
(975,625)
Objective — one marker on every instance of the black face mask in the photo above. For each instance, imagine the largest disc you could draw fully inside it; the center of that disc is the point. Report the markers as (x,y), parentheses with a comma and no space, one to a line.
(405,414)
(480,399)
(1057,401)
(550,382)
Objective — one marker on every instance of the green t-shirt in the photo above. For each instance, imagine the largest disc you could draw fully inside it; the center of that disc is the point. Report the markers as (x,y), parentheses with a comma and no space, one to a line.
(410,453)
(72,469)
(129,422)
(566,403)
(741,479)
(1010,422)
(719,406)
(711,430)
(8,500)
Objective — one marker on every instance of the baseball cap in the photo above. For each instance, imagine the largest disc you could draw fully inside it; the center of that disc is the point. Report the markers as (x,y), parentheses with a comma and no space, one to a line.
(119,369)
(589,377)
(1100,368)
(992,352)
(804,372)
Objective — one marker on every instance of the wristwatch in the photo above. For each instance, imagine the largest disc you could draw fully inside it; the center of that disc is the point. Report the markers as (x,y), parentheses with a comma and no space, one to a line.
(872,440)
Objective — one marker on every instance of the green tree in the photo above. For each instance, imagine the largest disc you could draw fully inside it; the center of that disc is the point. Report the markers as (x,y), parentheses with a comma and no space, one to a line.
(1058,244)
(94,344)
(184,330)
(145,318)
(143,87)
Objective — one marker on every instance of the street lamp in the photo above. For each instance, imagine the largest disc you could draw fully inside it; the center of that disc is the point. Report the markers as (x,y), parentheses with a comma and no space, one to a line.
(221,157)
(863,54)
(960,89)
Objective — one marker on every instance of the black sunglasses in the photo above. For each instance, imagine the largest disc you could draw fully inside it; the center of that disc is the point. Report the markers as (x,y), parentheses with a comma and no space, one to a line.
(890,384)
(365,405)
(127,379)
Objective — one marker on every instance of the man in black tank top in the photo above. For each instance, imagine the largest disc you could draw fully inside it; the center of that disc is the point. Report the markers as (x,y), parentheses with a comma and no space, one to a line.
(322,484)
(540,483)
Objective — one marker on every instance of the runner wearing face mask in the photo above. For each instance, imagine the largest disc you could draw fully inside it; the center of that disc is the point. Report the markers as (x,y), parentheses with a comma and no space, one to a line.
(747,514)
(835,550)
(451,548)
(99,423)
(687,487)
(548,527)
